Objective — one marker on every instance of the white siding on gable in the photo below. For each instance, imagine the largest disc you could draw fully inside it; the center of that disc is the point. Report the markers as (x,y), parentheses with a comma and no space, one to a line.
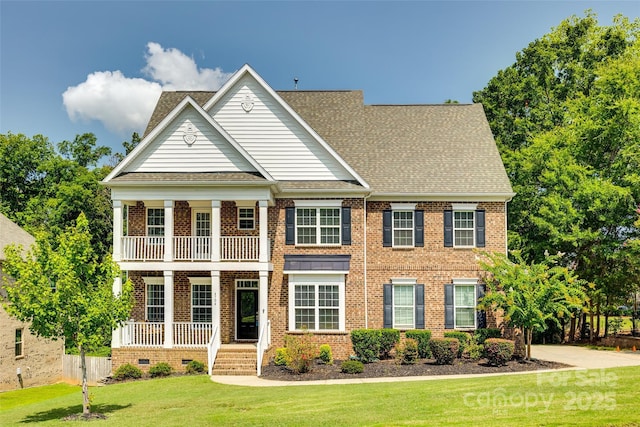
(210,152)
(272,137)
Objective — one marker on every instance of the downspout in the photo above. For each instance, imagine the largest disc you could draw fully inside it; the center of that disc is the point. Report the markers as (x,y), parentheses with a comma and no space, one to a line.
(364,222)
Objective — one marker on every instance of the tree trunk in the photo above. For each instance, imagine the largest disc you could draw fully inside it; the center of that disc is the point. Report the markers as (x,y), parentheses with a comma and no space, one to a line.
(86,407)
(572,329)
(528,333)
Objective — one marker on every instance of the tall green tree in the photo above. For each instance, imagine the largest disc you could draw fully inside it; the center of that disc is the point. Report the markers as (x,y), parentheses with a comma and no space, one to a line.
(65,291)
(530,295)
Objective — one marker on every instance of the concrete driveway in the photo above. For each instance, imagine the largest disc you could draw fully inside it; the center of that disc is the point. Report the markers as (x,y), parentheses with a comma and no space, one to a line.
(582,357)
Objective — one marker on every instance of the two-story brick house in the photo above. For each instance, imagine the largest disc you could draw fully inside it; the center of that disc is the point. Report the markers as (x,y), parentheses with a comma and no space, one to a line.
(247,214)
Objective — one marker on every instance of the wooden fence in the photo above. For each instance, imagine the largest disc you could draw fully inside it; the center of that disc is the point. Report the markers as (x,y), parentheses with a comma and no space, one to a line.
(97,368)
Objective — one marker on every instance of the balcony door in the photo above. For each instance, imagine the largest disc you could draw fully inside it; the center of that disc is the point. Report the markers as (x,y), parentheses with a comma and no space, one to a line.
(247,309)
(202,234)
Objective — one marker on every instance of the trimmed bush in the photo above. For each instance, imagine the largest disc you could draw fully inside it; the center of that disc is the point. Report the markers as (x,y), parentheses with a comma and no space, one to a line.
(444,350)
(280,358)
(326,356)
(127,371)
(480,335)
(352,367)
(474,351)
(388,340)
(407,352)
(366,344)
(422,336)
(195,367)
(301,353)
(161,369)
(498,351)
(463,337)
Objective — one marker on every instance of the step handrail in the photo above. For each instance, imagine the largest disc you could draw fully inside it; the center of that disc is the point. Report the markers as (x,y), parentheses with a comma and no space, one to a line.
(212,349)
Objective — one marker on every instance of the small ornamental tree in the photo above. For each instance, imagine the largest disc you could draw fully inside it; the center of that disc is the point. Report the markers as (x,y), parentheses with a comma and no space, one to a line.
(530,294)
(66,292)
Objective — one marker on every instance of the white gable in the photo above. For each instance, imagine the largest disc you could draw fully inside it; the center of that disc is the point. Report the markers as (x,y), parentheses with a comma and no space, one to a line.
(259,123)
(189,144)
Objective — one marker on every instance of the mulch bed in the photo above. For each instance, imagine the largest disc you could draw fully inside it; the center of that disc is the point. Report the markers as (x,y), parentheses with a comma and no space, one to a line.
(389,368)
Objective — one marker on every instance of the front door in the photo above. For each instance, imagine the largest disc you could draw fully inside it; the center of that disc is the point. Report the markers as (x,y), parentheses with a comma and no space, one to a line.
(247,314)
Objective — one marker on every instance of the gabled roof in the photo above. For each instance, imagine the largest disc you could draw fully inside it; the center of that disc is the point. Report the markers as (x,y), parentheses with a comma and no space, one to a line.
(11,233)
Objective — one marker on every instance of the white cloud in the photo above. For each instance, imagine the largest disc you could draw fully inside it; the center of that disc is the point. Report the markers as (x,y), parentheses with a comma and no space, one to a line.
(124,104)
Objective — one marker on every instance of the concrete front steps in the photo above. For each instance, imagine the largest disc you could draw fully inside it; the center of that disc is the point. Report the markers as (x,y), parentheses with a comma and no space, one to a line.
(236,359)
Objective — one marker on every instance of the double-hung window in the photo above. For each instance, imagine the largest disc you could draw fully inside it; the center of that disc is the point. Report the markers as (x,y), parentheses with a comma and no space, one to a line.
(19,350)
(465,306)
(403,307)
(155,222)
(246,218)
(403,304)
(403,226)
(200,299)
(318,222)
(316,302)
(464,226)
(155,299)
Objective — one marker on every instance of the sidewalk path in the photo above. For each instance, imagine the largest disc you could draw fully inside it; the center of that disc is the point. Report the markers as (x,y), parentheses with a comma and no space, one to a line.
(579,357)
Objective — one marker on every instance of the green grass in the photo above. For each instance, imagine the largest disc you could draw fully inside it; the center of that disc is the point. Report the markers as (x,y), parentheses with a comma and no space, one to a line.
(587,398)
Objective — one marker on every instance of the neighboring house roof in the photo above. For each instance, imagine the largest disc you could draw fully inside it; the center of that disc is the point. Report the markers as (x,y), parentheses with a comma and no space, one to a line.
(11,233)
(399,150)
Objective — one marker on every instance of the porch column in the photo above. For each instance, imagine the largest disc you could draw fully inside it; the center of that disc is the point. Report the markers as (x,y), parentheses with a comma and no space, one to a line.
(116,333)
(117,230)
(168,230)
(215,231)
(168,309)
(264,227)
(263,298)
(215,299)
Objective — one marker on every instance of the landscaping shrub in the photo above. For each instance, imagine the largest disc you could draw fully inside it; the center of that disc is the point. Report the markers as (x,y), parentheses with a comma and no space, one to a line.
(480,335)
(498,351)
(422,336)
(280,358)
(326,356)
(366,344)
(127,371)
(161,369)
(301,353)
(352,367)
(444,350)
(463,337)
(407,352)
(474,351)
(195,367)
(388,340)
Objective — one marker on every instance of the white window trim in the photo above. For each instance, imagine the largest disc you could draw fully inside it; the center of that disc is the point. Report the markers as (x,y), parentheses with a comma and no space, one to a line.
(403,207)
(465,282)
(402,281)
(318,226)
(151,281)
(473,230)
(317,279)
(255,283)
(200,283)
(21,342)
(146,220)
(194,213)
(253,217)
(331,203)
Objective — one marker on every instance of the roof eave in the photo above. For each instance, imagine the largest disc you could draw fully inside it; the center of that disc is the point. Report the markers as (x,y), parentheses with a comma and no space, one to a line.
(447,197)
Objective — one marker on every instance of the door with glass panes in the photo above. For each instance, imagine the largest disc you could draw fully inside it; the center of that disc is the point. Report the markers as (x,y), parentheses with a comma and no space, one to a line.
(202,235)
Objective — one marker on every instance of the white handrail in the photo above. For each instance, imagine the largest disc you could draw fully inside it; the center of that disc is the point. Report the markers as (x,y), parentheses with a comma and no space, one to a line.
(212,349)
(263,344)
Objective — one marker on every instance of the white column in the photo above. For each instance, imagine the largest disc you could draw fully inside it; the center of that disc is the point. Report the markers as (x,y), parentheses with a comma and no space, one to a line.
(168,309)
(215,230)
(117,230)
(215,299)
(116,333)
(263,300)
(264,227)
(168,230)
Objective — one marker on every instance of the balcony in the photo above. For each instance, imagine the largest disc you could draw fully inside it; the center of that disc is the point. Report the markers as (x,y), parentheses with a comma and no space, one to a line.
(148,334)
(191,248)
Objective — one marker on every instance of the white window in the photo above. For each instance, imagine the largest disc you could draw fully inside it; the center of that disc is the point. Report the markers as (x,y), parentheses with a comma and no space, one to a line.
(402,228)
(316,302)
(201,303)
(155,222)
(155,300)
(464,297)
(246,218)
(463,228)
(317,226)
(403,306)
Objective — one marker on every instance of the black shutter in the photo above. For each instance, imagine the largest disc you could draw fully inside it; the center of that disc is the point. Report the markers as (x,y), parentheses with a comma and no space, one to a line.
(419,307)
(387,237)
(388,306)
(480,241)
(448,306)
(448,229)
(481,314)
(418,217)
(290,226)
(346,225)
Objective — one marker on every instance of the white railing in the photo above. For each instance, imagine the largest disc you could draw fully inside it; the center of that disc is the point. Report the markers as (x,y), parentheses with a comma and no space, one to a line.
(187,334)
(212,349)
(235,248)
(142,334)
(142,248)
(195,248)
(264,341)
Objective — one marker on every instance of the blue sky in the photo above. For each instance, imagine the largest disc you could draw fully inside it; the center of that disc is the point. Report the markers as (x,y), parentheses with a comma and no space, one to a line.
(70,67)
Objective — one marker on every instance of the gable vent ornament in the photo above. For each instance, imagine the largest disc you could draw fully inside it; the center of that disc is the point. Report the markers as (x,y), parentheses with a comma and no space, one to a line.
(189,135)
(247,103)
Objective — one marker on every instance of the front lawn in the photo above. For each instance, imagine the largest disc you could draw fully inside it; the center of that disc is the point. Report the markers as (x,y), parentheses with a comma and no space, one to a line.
(595,397)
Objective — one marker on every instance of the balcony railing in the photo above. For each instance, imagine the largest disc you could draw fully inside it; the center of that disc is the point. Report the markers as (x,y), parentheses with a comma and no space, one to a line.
(191,248)
(148,334)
